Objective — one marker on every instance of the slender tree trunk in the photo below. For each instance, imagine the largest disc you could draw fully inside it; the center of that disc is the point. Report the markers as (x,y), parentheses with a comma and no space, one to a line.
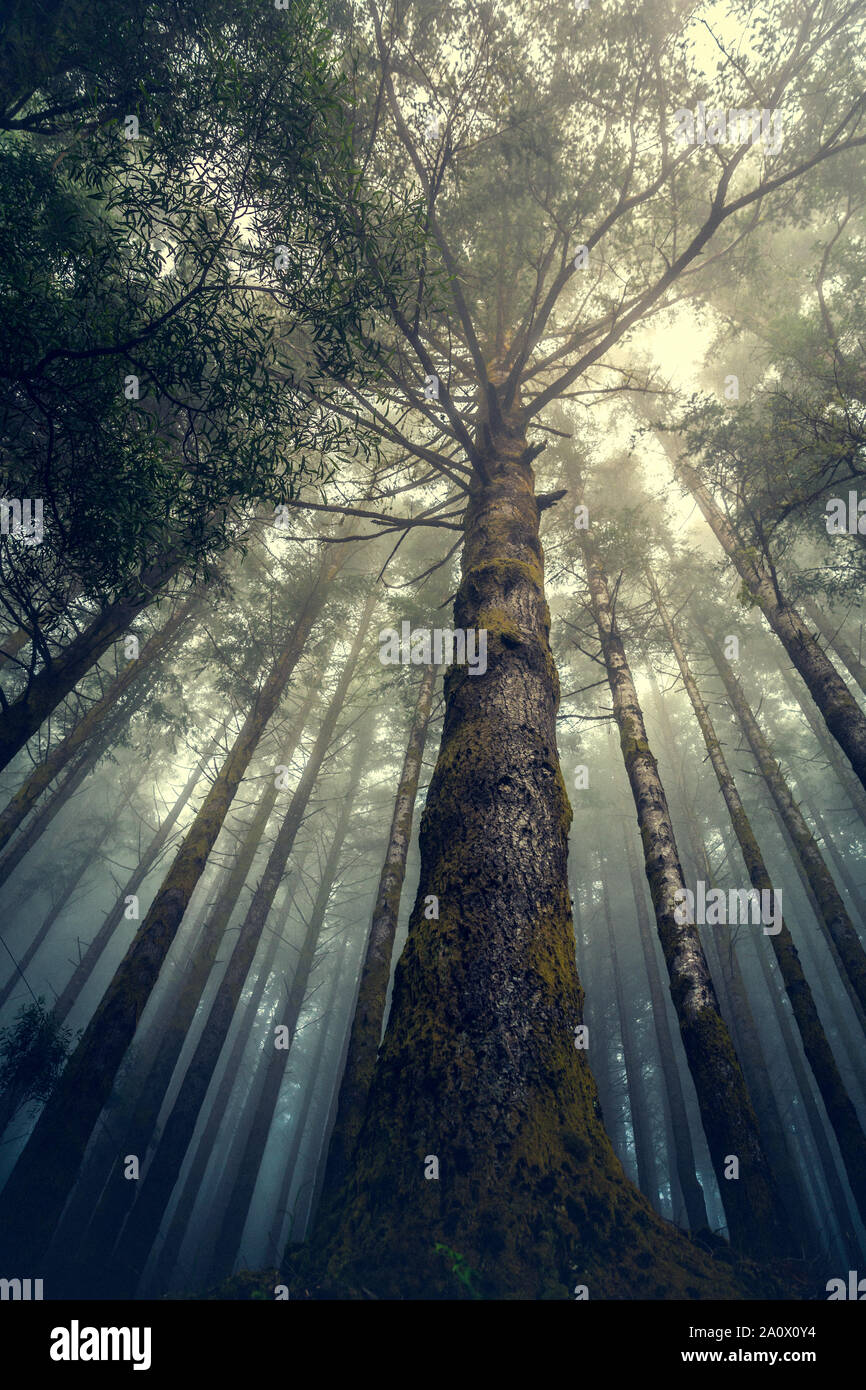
(751,1202)
(814,1117)
(44,692)
(693,1193)
(140,1122)
(633,1071)
(840,710)
(817,1124)
(68,998)
(834,639)
(478,1073)
(720,944)
(816,962)
(775,1137)
(305,1209)
(608,1107)
(834,917)
(37,1189)
(366,1032)
(847,878)
(57,910)
(840,1110)
(299,1126)
(156,1187)
(847,781)
(12,644)
(51,917)
(16,641)
(85,1205)
(68,785)
(259,1127)
(60,754)
(179,1224)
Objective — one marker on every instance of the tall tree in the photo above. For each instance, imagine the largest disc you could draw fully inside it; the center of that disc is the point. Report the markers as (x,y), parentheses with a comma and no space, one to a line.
(144,1220)
(840,1110)
(751,1203)
(369,1015)
(32,1199)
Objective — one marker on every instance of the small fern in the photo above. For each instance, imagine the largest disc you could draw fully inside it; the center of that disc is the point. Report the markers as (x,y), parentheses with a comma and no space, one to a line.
(464,1272)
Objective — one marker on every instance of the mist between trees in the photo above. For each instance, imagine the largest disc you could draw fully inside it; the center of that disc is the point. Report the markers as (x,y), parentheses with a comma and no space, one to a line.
(433,710)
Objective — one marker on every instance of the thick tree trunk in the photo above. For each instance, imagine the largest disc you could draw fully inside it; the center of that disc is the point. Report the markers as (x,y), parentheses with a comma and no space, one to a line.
(156,1187)
(693,1193)
(367,1023)
(38,1187)
(840,1110)
(751,1202)
(840,710)
(60,754)
(834,917)
(478,1070)
(234,1218)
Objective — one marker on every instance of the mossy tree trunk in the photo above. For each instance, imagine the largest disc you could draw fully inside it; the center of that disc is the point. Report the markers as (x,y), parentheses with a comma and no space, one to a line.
(478,1071)
(369,1014)
(750,1200)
